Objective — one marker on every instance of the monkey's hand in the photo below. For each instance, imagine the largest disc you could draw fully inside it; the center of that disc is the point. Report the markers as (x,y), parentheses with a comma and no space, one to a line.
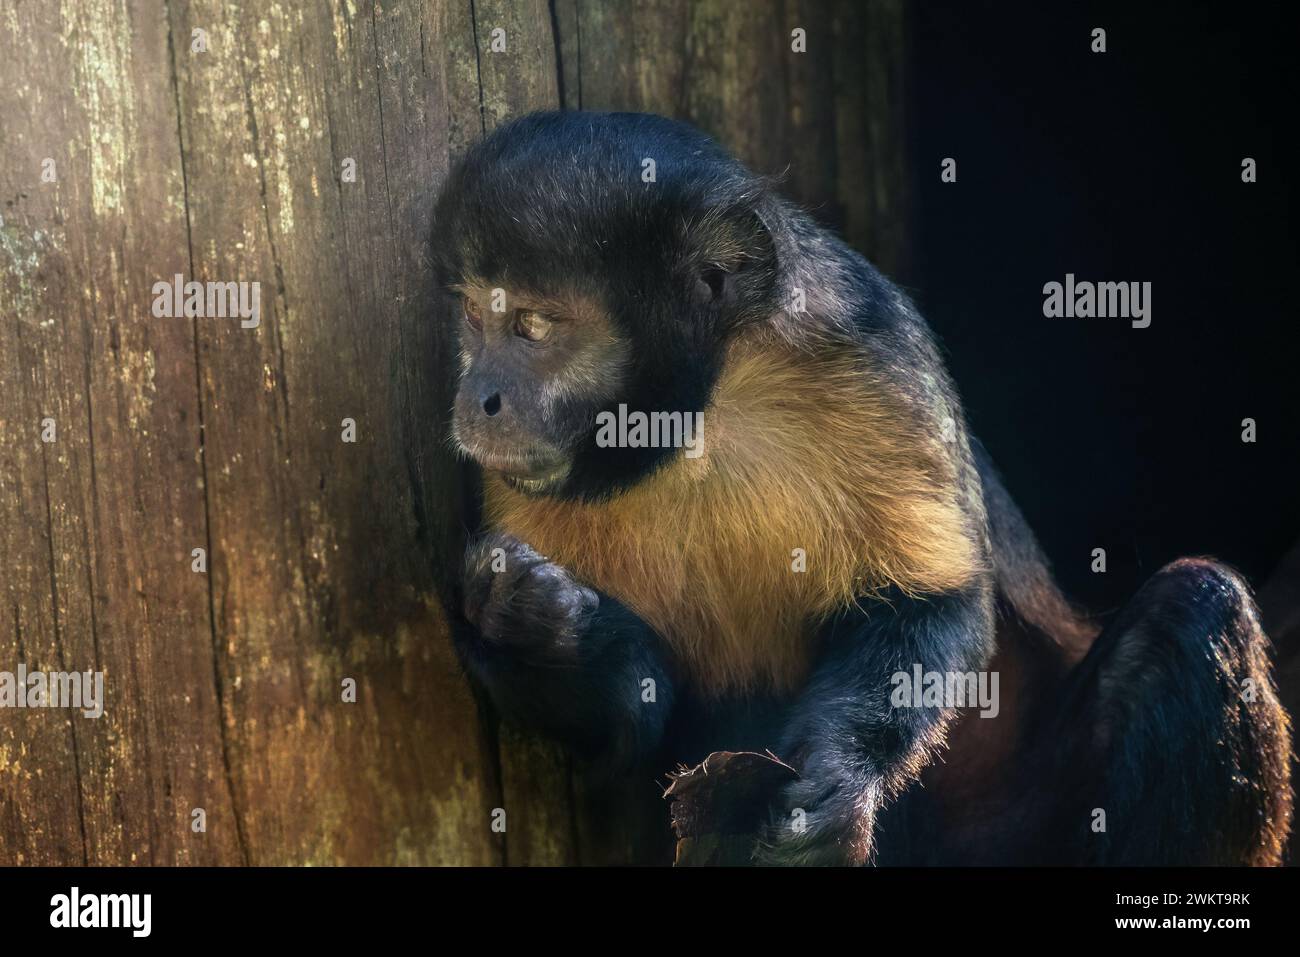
(557,656)
(823,818)
(523,604)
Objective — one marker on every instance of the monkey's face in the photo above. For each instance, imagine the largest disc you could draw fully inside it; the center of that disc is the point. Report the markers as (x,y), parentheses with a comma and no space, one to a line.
(535,370)
(585,283)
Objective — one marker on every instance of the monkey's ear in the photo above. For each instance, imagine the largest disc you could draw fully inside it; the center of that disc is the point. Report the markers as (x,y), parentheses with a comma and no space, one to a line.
(711,283)
(732,256)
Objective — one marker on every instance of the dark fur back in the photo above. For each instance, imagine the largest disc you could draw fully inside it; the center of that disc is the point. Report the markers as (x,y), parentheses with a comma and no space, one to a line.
(1026,587)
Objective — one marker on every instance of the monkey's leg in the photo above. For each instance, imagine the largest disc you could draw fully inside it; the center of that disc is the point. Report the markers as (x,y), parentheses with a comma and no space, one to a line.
(1172,729)
(560,657)
(851,745)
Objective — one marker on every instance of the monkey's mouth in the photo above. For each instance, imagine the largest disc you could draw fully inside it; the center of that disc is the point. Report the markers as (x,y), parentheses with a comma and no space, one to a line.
(535,482)
(531,471)
(533,478)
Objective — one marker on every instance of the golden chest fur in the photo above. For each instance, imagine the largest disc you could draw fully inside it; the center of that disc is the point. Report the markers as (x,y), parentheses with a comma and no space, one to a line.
(800,452)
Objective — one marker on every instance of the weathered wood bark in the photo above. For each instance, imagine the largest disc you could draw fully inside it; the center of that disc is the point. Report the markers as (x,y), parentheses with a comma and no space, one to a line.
(128,155)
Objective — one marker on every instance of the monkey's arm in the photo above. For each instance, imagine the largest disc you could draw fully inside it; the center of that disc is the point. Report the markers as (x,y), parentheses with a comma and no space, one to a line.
(560,657)
(851,746)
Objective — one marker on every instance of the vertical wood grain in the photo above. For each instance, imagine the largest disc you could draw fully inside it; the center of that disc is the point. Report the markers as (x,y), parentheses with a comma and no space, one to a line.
(326,559)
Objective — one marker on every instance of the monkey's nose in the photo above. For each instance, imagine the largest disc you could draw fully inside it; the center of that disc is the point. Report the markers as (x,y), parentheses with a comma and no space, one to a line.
(492,404)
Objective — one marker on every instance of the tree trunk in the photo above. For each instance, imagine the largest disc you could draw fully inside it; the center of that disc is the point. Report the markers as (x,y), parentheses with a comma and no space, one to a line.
(132,154)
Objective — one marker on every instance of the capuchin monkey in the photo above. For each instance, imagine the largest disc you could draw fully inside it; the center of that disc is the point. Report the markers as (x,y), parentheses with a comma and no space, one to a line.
(836,527)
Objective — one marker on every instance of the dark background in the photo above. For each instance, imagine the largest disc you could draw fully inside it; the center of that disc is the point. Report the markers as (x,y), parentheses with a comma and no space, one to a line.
(1122,166)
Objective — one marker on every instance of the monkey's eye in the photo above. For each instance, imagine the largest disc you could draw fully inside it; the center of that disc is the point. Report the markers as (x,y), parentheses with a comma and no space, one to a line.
(472,314)
(532,325)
